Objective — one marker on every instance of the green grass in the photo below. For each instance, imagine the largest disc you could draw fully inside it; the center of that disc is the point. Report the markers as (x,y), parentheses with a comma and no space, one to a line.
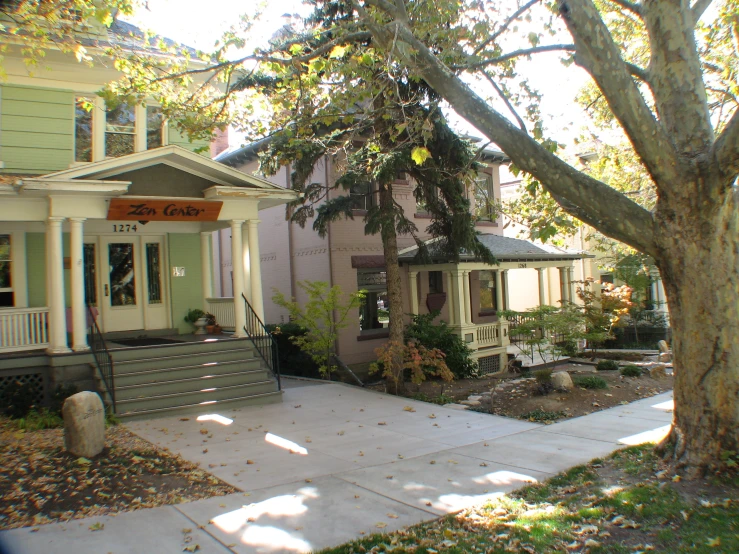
(440,399)
(607,506)
(37,420)
(542,416)
(590,382)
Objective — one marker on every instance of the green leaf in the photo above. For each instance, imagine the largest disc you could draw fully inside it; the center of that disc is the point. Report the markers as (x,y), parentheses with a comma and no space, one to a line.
(420,154)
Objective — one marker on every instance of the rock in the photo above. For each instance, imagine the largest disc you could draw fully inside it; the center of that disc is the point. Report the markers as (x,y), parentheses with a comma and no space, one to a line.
(657,371)
(663,347)
(474,398)
(470,403)
(84,424)
(665,357)
(562,380)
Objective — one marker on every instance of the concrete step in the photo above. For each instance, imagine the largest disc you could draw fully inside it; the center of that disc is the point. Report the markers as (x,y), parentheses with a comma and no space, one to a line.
(192,398)
(184,372)
(237,401)
(179,349)
(160,360)
(192,384)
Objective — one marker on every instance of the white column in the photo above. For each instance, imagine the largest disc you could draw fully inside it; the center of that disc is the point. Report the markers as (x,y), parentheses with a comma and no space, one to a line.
(450,295)
(77,278)
(467,299)
(55,261)
(413,291)
(237,254)
(499,290)
(206,262)
(246,261)
(459,300)
(255,269)
(505,289)
(563,284)
(570,284)
(542,297)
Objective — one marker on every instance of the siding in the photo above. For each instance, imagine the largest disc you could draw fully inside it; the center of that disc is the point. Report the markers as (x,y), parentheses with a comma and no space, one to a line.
(36,260)
(175,137)
(36,129)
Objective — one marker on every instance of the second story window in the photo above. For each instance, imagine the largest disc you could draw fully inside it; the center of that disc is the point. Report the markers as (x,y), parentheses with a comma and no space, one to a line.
(361,195)
(154,127)
(83,129)
(484,198)
(120,131)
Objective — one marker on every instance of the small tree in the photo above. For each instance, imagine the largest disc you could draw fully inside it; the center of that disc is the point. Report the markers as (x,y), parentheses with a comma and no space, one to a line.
(602,311)
(324,314)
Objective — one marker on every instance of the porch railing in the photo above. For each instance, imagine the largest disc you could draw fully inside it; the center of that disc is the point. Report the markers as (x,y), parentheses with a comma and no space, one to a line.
(263,341)
(24,329)
(223,309)
(103,359)
(491,334)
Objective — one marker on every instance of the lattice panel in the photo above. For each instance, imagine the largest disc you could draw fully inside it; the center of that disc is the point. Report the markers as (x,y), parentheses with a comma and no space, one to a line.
(35,379)
(489,364)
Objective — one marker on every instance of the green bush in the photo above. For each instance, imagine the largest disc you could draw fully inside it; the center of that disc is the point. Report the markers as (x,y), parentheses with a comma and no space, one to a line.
(631,371)
(41,419)
(568,348)
(60,394)
(17,399)
(591,382)
(543,375)
(440,399)
(542,416)
(607,365)
(293,360)
(438,335)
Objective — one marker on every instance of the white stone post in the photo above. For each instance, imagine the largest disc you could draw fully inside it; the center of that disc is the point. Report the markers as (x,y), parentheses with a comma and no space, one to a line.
(459,300)
(505,289)
(206,264)
(498,290)
(246,265)
(542,297)
(467,299)
(255,269)
(570,284)
(77,281)
(237,253)
(413,291)
(563,282)
(55,261)
(450,295)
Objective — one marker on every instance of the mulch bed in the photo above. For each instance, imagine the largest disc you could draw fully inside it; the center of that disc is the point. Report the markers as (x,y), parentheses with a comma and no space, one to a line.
(41,483)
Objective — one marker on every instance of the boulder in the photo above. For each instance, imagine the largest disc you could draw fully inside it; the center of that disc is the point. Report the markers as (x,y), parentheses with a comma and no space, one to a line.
(665,357)
(657,371)
(663,347)
(562,380)
(84,424)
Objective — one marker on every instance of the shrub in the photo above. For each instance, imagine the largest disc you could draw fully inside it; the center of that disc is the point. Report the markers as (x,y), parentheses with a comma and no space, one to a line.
(293,360)
(568,348)
(41,419)
(607,365)
(60,394)
(591,382)
(17,399)
(544,383)
(430,335)
(440,399)
(542,416)
(631,371)
(419,361)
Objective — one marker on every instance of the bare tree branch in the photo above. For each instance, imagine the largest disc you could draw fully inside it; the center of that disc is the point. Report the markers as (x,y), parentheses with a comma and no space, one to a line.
(610,211)
(633,8)
(515,54)
(598,54)
(638,72)
(698,8)
(508,104)
(726,148)
(515,15)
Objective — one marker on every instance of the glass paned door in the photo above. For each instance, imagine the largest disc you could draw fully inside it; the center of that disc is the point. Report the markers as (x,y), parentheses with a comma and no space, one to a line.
(121,274)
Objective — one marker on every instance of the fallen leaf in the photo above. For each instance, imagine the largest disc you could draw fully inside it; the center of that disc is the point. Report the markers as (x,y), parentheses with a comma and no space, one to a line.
(191,548)
(713,543)
(381,423)
(392,516)
(83,461)
(203,431)
(184,419)
(409,409)
(97,526)
(380,525)
(187,530)
(249,462)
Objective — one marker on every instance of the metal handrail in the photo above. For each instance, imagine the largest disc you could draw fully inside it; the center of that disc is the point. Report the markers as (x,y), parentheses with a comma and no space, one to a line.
(263,341)
(103,359)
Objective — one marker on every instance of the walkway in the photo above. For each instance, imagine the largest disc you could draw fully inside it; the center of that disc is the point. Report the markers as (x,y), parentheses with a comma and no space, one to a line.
(333,463)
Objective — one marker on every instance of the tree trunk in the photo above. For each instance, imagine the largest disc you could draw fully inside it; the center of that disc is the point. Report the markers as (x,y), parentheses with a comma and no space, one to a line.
(395,380)
(700,270)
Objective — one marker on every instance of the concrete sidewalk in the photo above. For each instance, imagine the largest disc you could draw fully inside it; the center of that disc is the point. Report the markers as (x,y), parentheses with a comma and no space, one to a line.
(333,463)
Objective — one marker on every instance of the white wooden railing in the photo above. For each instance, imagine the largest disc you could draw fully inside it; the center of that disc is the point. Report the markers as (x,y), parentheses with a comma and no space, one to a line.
(23,329)
(492,334)
(223,309)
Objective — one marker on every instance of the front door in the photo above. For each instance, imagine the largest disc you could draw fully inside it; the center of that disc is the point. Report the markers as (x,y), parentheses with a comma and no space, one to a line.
(132,283)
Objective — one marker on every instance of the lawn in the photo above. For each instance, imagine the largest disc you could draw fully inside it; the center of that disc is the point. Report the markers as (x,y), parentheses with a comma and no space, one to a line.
(624,504)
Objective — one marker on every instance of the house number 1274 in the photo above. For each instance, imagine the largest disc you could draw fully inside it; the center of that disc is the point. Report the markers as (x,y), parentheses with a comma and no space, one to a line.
(124,228)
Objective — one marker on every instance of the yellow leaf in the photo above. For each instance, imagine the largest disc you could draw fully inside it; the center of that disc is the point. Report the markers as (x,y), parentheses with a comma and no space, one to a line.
(420,154)
(338,52)
(381,525)
(409,409)
(97,526)
(714,542)
(83,461)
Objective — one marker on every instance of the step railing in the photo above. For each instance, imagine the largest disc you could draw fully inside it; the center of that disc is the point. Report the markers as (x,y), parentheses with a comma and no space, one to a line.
(24,329)
(263,341)
(103,359)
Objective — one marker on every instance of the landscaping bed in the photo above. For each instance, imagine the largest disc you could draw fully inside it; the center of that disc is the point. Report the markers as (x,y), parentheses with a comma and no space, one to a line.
(41,483)
(626,503)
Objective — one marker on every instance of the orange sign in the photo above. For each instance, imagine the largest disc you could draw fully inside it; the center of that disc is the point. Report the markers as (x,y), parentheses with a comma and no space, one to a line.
(139,209)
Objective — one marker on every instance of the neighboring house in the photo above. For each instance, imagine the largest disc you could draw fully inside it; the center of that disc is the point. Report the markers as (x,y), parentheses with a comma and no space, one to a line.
(113,209)
(468,294)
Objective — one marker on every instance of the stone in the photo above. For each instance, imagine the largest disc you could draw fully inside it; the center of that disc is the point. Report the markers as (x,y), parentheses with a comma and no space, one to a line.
(474,397)
(665,357)
(470,403)
(562,380)
(657,371)
(84,424)
(663,347)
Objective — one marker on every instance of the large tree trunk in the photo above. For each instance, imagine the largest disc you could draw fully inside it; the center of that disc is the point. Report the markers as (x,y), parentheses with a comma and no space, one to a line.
(699,264)
(389,235)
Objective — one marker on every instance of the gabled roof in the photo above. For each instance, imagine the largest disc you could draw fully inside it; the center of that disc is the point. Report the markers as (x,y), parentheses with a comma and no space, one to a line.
(503,248)
(173,156)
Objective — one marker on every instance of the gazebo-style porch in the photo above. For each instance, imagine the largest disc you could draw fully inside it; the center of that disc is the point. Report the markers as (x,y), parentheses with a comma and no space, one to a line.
(471,294)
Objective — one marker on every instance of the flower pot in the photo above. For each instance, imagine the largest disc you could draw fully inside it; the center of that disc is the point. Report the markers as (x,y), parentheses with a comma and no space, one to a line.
(210,329)
(200,326)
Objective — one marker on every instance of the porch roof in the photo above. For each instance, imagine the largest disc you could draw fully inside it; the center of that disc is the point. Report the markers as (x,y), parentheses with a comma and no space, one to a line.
(505,249)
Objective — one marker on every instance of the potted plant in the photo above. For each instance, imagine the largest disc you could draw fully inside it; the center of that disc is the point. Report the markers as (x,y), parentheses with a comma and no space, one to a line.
(197,318)
(212,326)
